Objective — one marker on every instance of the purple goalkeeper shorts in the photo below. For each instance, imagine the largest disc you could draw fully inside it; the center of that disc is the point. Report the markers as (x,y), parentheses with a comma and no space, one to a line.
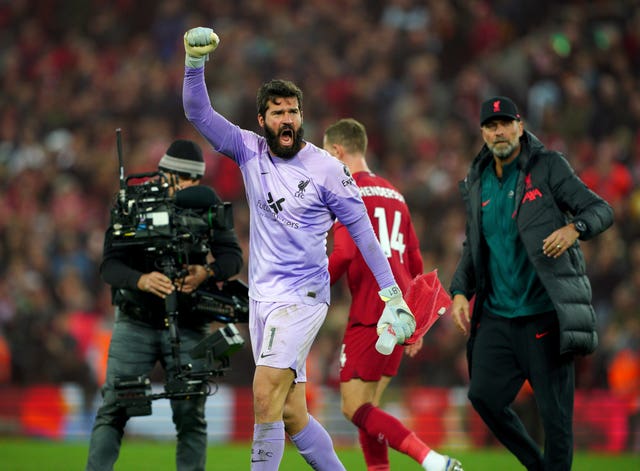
(282,334)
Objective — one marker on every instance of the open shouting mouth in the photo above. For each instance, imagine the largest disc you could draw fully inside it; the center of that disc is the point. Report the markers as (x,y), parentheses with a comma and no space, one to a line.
(286,136)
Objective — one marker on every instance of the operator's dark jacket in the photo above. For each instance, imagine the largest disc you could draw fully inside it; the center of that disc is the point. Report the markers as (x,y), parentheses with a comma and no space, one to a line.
(122,267)
(550,195)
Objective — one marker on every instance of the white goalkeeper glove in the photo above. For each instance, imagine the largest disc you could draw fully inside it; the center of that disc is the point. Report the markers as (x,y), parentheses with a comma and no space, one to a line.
(198,43)
(396,324)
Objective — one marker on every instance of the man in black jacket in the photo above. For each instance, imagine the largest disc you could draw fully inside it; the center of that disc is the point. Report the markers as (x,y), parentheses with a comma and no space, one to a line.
(521,260)
(140,285)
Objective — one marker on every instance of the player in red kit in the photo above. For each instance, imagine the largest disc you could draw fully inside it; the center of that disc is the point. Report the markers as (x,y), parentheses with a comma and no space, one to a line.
(364,372)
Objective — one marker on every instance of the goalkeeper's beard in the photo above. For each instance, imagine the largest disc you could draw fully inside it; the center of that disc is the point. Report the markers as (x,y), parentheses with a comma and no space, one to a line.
(284,152)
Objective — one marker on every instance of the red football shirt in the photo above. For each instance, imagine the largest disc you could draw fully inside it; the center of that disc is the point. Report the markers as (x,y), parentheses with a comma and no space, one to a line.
(394,229)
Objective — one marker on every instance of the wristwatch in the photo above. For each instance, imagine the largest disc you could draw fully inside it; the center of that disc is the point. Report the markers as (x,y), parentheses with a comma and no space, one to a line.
(580,226)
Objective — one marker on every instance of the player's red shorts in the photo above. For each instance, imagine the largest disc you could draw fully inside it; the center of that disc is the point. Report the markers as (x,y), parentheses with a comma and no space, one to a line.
(360,359)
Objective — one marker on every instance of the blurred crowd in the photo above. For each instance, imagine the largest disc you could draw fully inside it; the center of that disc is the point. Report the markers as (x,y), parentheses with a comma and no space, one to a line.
(414,72)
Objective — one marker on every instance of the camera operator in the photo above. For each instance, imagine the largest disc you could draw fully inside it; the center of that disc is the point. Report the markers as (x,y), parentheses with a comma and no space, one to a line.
(141,336)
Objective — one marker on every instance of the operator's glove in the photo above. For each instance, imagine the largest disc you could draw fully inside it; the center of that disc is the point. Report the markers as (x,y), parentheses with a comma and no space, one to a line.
(198,43)
(396,324)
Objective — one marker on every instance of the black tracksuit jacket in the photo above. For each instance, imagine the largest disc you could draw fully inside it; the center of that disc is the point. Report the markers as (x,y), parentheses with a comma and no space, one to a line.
(550,195)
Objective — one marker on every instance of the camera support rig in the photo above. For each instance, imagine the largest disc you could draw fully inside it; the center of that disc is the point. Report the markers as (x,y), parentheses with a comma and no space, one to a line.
(134,393)
(182,382)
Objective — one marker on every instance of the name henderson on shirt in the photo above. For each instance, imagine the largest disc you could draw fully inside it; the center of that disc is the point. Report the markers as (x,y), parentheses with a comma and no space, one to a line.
(381,191)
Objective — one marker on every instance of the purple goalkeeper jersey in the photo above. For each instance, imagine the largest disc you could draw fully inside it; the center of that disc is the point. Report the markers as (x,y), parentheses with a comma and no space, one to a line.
(293,203)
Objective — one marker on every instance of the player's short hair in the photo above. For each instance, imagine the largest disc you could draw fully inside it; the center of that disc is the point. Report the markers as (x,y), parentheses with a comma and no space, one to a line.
(276,88)
(349,133)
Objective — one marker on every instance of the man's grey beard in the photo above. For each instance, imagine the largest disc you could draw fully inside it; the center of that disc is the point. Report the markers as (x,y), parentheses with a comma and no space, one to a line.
(503,153)
(281,151)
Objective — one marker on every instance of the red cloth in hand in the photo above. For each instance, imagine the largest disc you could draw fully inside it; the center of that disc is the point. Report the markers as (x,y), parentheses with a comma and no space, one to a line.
(428,300)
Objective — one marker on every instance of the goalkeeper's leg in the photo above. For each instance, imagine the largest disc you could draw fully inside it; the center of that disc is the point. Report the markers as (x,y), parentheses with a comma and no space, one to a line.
(310,438)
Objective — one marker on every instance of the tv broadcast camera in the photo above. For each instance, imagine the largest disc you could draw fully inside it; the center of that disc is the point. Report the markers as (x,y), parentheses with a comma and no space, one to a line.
(169,228)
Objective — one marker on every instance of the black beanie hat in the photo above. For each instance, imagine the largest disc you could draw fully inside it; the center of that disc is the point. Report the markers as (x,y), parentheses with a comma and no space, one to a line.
(184,158)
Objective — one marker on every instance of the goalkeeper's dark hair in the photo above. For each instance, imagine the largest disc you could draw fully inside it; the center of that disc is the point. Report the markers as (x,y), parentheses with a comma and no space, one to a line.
(349,133)
(276,88)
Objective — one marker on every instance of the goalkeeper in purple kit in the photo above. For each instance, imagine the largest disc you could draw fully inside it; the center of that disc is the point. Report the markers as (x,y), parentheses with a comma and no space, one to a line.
(295,191)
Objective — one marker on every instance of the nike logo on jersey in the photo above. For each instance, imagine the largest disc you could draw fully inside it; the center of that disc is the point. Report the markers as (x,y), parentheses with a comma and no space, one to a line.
(484,203)
(540,335)
(262,355)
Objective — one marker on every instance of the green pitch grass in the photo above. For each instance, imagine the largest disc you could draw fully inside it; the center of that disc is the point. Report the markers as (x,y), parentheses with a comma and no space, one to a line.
(34,455)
